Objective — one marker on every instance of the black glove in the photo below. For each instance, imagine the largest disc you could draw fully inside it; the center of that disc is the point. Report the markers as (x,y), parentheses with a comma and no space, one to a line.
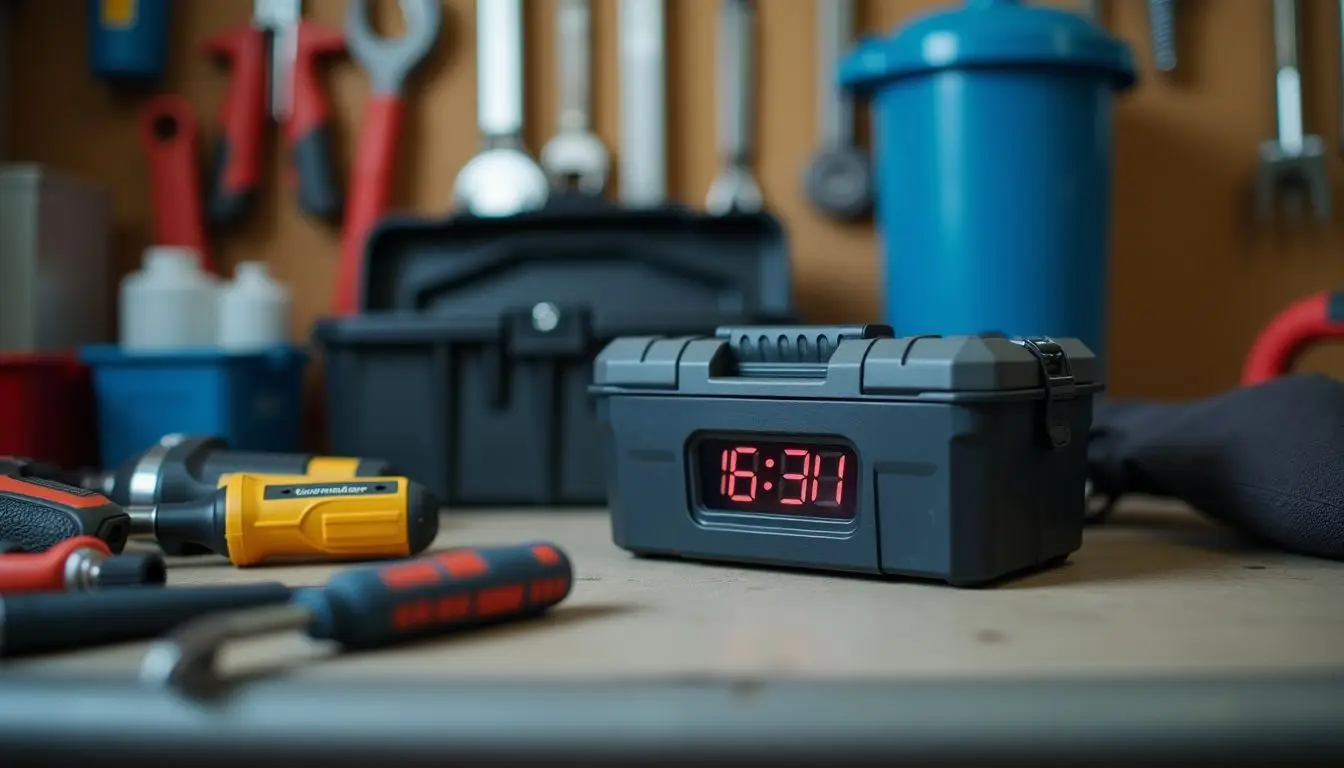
(1267,459)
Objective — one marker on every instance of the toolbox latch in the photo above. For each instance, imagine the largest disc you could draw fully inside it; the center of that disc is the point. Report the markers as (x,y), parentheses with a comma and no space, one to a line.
(1058,381)
(548,330)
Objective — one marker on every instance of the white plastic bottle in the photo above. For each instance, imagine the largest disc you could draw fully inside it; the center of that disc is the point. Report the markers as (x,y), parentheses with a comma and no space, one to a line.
(168,303)
(254,310)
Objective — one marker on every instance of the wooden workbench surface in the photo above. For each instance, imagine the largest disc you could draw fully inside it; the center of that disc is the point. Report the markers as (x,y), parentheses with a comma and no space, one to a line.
(1155,590)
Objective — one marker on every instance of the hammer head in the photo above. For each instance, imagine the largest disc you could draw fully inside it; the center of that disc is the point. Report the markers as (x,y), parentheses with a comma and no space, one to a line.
(1296,176)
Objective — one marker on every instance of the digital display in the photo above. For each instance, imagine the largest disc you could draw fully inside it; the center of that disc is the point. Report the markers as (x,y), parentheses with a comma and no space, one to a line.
(777,477)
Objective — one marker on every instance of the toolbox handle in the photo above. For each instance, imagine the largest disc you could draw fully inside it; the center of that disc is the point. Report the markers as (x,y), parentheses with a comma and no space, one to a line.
(776,349)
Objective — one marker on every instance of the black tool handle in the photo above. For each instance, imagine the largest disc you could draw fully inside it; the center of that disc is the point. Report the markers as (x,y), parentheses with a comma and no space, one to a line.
(35,624)
(37,514)
(439,593)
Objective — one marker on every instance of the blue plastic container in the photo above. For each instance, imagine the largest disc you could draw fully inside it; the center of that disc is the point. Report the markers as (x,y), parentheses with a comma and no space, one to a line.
(992,147)
(252,400)
(128,39)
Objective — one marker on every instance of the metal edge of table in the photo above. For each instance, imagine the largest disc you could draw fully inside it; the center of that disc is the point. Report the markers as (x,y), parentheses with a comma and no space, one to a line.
(1121,721)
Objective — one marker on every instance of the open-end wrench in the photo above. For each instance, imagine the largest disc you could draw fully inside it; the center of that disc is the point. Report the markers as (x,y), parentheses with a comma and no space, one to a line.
(1294,162)
(643,108)
(575,158)
(388,62)
(502,179)
(839,180)
(735,188)
(1162,31)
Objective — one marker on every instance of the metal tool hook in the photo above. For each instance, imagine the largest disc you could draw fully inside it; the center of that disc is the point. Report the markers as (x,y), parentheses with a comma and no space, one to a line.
(185,660)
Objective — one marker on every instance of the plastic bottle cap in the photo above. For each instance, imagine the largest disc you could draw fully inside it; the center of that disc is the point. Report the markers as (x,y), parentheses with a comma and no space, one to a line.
(252,270)
(985,34)
(170,258)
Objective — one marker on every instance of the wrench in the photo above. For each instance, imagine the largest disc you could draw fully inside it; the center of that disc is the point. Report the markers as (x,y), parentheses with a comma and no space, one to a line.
(575,157)
(502,179)
(1162,30)
(839,180)
(735,188)
(388,62)
(1295,160)
(643,110)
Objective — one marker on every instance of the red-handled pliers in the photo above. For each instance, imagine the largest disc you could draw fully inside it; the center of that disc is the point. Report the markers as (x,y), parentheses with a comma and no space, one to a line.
(1318,317)
(296,101)
(388,62)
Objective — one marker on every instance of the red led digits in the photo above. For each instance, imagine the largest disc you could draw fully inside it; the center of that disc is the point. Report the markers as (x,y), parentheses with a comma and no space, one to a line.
(838,478)
(800,477)
(734,471)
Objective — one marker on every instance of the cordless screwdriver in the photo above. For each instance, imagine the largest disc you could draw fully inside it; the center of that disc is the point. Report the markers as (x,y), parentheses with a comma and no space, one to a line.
(257,518)
(380,606)
(186,467)
(37,513)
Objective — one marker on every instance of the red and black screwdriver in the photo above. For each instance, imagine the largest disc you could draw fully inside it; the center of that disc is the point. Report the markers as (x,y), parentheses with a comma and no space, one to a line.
(374,607)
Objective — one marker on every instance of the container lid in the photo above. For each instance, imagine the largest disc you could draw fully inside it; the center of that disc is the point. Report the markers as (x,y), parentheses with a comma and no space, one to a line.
(989,33)
(113,354)
(844,363)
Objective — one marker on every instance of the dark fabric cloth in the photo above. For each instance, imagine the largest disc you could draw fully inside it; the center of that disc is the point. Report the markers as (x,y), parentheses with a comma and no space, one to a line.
(1267,459)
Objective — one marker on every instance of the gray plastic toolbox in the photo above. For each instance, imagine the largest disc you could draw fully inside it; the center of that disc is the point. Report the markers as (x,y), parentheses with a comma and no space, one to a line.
(970,451)
(56,271)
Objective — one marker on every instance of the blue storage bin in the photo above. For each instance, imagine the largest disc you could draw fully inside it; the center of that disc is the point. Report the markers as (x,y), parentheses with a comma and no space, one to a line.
(252,400)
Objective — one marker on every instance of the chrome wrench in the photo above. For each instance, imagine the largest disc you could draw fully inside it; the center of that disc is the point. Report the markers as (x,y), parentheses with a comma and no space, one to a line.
(735,188)
(839,180)
(1162,31)
(502,179)
(575,157)
(643,108)
(1294,162)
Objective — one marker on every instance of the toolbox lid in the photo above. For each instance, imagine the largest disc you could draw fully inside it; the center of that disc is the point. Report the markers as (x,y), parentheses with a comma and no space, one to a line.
(845,363)
(615,261)
(987,34)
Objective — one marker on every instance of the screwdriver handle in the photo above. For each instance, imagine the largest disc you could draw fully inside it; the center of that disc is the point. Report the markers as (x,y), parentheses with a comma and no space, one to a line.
(432,595)
(37,514)
(45,571)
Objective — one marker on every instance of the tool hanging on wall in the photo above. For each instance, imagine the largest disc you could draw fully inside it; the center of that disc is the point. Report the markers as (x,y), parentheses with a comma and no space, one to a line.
(735,188)
(389,63)
(502,179)
(1162,33)
(170,137)
(575,158)
(1292,165)
(1304,323)
(839,180)
(641,44)
(293,98)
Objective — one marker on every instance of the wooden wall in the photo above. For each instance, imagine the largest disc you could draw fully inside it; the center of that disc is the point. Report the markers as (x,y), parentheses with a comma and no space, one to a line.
(1194,277)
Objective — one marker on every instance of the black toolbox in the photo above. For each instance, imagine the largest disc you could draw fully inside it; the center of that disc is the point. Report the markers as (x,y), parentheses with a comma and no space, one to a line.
(470,369)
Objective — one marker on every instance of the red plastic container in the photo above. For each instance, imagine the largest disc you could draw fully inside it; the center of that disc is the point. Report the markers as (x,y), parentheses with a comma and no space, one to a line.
(46,409)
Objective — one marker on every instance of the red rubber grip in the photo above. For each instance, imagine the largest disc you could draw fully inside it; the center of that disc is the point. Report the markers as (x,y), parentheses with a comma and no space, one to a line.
(171,140)
(308,130)
(1318,317)
(370,189)
(26,572)
(236,166)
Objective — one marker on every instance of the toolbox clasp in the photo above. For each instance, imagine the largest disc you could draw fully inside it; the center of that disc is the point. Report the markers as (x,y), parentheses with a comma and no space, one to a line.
(1059,384)
(548,330)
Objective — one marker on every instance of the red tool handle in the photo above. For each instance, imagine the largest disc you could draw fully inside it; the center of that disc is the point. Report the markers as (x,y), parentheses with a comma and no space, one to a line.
(436,594)
(171,140)
(26,572)
(1318,317)
(236,165)
(370,189)
(308,131)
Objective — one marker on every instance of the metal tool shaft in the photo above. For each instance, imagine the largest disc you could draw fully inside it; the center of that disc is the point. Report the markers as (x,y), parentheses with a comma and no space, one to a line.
(499,68)
(835,108)
(737,75)
(643,103)
(574,72)
(1287,76)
